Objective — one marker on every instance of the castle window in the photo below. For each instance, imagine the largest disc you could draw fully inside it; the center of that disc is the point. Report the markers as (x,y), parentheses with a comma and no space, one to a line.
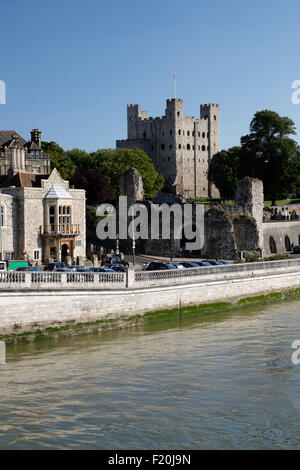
(168,159)
(163,132)
(170,146)
(193,147)
(152,148)
(170,131)
(178,113)
(162,146)
(36,255)
(188,133)
(203,148)
(2,216)
(144,134)
(179,146)
(215,118)
(179,131)
(203,135)
(188,147)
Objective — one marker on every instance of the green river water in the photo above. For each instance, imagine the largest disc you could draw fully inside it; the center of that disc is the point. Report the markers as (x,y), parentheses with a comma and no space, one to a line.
(225,382)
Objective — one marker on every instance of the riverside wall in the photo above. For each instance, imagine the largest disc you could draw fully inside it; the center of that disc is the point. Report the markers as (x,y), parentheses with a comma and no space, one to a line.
(29,309)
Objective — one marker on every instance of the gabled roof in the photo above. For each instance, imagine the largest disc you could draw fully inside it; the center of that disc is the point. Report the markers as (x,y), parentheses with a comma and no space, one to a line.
(23,180)
(7,138)
(57,192)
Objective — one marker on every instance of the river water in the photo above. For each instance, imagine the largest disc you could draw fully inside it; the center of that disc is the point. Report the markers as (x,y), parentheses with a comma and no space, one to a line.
(224,382)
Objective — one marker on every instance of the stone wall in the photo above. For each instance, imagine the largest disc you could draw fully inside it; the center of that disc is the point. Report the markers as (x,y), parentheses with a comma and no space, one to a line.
(283,234)
(41,309)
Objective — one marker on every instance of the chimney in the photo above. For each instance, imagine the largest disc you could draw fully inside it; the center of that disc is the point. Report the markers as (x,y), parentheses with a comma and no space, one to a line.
(36,137)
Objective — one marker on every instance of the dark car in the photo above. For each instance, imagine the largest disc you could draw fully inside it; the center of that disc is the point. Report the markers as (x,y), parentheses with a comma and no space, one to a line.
(190,264)
(296,249)
(116,260)
(159,266)
(78,269)
(101,270)
(59,265)
(29,269)
(119,268)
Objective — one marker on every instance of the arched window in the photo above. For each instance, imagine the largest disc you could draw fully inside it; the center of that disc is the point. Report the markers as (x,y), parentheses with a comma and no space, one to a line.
(203,135)
(179,146)
(203,148)
(179,131)
(2,215)
(188,147)
(188,133)
(287,243)
(272,244)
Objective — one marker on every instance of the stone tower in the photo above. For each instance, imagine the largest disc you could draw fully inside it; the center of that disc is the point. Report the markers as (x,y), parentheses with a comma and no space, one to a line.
(131,185)
(180,146)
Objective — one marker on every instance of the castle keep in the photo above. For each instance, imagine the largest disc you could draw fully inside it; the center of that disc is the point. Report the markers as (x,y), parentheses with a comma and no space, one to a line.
(180,146)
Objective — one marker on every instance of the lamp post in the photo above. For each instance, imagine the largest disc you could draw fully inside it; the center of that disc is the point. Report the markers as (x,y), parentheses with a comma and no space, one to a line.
(1,221)
(133,241)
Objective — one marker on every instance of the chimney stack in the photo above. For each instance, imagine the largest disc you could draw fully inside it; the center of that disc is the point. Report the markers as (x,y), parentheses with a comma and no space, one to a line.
(36,137)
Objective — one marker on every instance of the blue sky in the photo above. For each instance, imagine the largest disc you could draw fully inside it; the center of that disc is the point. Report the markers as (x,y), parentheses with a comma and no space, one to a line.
(71,67)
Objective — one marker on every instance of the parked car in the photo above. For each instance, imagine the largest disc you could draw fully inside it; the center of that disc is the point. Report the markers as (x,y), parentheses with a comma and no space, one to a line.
(100,270)
(204,263)
(119,268)
(159,265)
(216,263)
(57,266)
(29,269)
(117,260)
(296,249)
(78,269)
(190,264)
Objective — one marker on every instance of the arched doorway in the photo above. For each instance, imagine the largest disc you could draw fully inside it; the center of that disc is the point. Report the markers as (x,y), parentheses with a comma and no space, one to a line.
(272,244)
(287,244)
(64,251)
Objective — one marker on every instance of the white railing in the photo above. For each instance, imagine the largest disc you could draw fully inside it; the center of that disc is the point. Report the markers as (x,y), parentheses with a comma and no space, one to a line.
(138,279)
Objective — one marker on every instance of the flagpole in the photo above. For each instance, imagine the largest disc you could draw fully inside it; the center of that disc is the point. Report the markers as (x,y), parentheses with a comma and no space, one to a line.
(174,84)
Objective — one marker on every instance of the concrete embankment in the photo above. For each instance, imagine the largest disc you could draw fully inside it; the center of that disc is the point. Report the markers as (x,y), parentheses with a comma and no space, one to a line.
(34,311)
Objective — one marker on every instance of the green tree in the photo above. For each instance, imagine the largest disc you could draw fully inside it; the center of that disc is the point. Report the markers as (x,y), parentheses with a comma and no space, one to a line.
(59,159)
(223,171)
(268,153)
(79,157)
(113,163)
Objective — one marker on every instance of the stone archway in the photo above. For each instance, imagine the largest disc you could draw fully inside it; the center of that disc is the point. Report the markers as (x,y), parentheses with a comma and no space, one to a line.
(287,243)
(272,244)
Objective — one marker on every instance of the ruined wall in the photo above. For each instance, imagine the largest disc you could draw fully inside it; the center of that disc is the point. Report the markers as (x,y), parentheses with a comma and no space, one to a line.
(219,234)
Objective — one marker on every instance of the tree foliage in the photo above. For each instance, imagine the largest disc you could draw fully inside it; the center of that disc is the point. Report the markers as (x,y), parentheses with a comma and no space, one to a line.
(267,152)
(59,159)
(113,163)
(96,185)
(223,171)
